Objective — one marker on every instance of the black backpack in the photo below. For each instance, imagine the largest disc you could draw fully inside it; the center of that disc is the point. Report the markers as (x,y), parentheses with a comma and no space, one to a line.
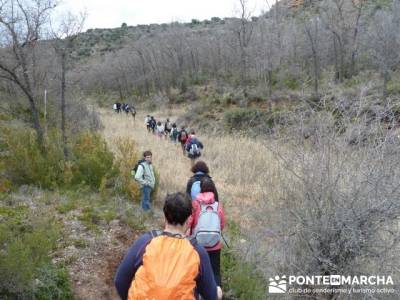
(135,168)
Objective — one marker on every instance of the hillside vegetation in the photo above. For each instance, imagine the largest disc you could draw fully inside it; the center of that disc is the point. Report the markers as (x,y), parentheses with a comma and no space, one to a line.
(298,109)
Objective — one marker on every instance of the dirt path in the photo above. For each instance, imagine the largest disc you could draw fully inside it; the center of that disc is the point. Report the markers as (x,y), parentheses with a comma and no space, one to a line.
(93,273)
(94,267)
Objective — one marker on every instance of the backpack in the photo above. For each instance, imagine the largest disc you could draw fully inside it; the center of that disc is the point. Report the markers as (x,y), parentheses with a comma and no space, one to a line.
(184,136)
(174,132)
(135,168)
(208,228)
(194,150)
(169,269)
(195,190)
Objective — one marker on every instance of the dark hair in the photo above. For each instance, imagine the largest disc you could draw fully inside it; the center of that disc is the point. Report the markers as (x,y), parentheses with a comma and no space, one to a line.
(177,208)
(200,166)
(207,185)
(147,153)
(192,132)
(174,125)
(158,123)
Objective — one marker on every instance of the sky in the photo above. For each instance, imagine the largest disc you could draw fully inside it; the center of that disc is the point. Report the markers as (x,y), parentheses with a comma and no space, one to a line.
(112,13)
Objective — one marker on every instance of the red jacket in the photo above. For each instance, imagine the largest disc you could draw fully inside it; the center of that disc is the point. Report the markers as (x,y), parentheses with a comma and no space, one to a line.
(206,198)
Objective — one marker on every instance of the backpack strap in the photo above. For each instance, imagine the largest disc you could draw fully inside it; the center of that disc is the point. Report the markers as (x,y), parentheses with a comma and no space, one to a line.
(144,169)
(155,233)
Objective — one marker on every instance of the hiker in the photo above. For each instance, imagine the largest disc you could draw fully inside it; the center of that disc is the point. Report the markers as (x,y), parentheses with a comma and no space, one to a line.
(193,147)
(145,176)
(200,171)
(153,124)
(118,107)
(167,128)
(166,265)
(132,109)
(174,134)
(115,107)
(127,109)
(147,122)
(206,224)
(182,138)
(160,130)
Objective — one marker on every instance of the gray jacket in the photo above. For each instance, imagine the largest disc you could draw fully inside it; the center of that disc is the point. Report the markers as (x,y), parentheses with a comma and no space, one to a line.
(145,175)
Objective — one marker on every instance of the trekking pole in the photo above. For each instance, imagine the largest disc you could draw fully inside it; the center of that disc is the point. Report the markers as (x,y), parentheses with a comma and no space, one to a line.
(225,240)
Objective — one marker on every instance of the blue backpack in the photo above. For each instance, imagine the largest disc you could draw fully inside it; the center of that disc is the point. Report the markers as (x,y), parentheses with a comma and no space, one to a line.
(195,190)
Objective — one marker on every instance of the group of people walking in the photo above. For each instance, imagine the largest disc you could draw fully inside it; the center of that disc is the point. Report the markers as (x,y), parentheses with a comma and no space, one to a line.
(183,260)
(119,107)
(190,144)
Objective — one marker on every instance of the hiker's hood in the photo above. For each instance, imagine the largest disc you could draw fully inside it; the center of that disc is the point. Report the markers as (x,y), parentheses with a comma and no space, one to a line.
(206,198)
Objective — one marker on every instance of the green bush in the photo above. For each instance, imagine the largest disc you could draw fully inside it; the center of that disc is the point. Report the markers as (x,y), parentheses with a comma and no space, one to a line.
(27,240)
(53,283)
(25,162)
(291,82)
(92,161)
(240,281)
(243,118)
(126,157)
(394,87)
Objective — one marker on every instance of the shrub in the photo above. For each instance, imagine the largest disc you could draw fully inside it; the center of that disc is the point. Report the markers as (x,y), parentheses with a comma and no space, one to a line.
(26,163)
(240,281)
(53,283)
(240,118)
(92,161)
(27,239)
(336,210)
(291,82)
(126,158)
(394,87)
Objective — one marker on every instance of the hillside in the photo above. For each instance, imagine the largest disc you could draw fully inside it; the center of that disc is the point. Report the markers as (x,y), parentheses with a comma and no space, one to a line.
(298,110)
(299,53)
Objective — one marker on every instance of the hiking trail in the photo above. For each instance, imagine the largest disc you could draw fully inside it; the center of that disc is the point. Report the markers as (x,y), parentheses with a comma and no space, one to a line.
(92,273)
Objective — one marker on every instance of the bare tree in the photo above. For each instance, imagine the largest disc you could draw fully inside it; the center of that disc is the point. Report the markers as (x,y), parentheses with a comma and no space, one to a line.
(63,43)
(343,19)
(312,28)
(384,31)
(21,25)
(244,31)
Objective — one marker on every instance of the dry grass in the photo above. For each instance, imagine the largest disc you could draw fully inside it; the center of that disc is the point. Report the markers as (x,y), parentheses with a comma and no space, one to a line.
(286,194)
(243,169)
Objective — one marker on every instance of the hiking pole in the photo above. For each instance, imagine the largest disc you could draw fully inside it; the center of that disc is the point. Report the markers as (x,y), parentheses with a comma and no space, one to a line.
(225,240)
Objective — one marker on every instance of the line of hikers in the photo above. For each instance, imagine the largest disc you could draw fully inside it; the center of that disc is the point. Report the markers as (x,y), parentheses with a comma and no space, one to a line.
(190,144)
(119,107)
(182,261)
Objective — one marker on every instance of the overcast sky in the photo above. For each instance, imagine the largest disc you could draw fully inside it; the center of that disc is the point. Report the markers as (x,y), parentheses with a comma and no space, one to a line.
(112,13)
